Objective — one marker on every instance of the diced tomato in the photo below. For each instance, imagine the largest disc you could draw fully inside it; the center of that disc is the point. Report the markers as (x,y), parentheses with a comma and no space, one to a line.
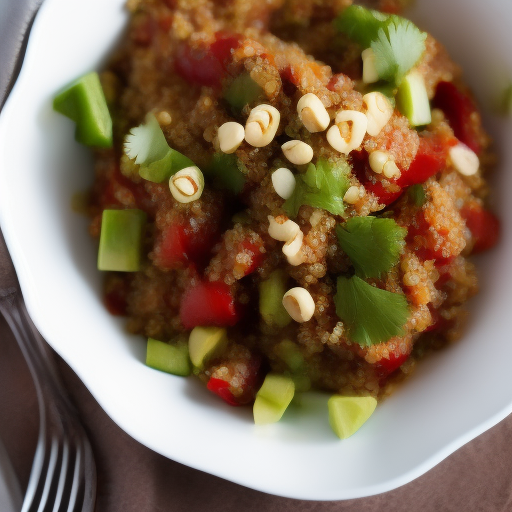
(459,109)
(205,66)
(223,47)
(362,170)
(484,226)
(386,367)
(245,374)
(172,247)
(221,388)
(385,195)
(256,256)
(181,244)
(430,159)
(208,304)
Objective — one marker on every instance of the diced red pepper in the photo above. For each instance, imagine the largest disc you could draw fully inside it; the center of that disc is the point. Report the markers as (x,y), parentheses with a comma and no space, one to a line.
(384,195)
(484,226)
(208,304)
(386,367)
(206,66)
(256,256)
(221,388)
(459,108)
(172,247)
(290,80)
(430,159)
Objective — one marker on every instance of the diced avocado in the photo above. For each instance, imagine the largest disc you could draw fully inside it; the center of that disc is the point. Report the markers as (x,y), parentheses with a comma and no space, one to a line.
(168,358)
(84,102)
(225,172)
(271,300)
(205,343)
(242,91)
(413,100)
(290,354)
(163,169)
(347,414)
(273,398)
(121,240)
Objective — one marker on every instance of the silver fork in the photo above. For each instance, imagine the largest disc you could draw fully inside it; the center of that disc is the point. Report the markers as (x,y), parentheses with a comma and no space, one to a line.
(63,475)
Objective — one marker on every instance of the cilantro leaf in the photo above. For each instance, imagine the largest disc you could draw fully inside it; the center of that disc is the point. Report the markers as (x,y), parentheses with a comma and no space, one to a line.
(397,43)
(147,145)
(371,315)
(397,49)
(360,24)
(322,186)
(373,245)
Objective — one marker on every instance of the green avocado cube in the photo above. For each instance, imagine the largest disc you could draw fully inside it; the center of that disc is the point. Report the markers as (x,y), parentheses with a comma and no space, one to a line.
(205,343)
(121,240)
(413,100)
(271,306)
(273,398)
(168,358)
(84,102)
(347,414)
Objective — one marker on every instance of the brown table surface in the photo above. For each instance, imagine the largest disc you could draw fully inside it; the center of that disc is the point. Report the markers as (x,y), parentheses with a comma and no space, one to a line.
(132,478)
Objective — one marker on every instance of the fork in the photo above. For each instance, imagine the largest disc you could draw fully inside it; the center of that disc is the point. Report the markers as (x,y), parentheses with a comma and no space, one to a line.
(63,475)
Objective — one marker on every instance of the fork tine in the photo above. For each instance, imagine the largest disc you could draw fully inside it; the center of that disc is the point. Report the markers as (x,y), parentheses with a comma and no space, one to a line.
(78,481)
(50,482)
(64,477)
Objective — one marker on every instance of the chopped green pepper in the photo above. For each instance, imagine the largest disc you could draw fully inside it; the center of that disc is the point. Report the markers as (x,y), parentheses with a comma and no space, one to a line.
(121,240)
(84,102)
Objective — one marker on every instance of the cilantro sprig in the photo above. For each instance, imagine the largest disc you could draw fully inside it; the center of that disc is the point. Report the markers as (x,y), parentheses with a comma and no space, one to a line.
(322,186)
(372,244)
(147,145)
(397,43)
(371,315)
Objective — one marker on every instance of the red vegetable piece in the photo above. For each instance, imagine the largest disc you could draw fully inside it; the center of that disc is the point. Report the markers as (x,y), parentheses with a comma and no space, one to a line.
(385,195)
(198,66)
(430,159)
(206,66)
(484,226)
(386,367)
(458,108)
(256,259)
(224,45)
(221,388)
(172,247)
(208,304)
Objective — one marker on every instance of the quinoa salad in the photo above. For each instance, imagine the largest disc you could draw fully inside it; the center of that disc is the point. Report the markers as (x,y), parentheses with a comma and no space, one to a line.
(287,196)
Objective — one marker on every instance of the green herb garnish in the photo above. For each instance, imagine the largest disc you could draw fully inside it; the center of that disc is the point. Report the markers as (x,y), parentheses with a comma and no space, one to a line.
(242,91)
(371,315)
(417,195)
(372,244)
(322,186)
(397,43)
(147,145)
(227,172)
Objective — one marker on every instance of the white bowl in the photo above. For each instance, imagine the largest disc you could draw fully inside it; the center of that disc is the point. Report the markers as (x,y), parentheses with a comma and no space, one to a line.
(453,396)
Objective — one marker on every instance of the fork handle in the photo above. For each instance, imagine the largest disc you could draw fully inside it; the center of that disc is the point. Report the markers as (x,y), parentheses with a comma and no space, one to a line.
(35,351)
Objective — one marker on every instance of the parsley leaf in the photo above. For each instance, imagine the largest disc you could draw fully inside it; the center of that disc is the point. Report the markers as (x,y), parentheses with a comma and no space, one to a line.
(322,186)
(371,315)
(397,43)
(373,245)
(148,146)
(397,49)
